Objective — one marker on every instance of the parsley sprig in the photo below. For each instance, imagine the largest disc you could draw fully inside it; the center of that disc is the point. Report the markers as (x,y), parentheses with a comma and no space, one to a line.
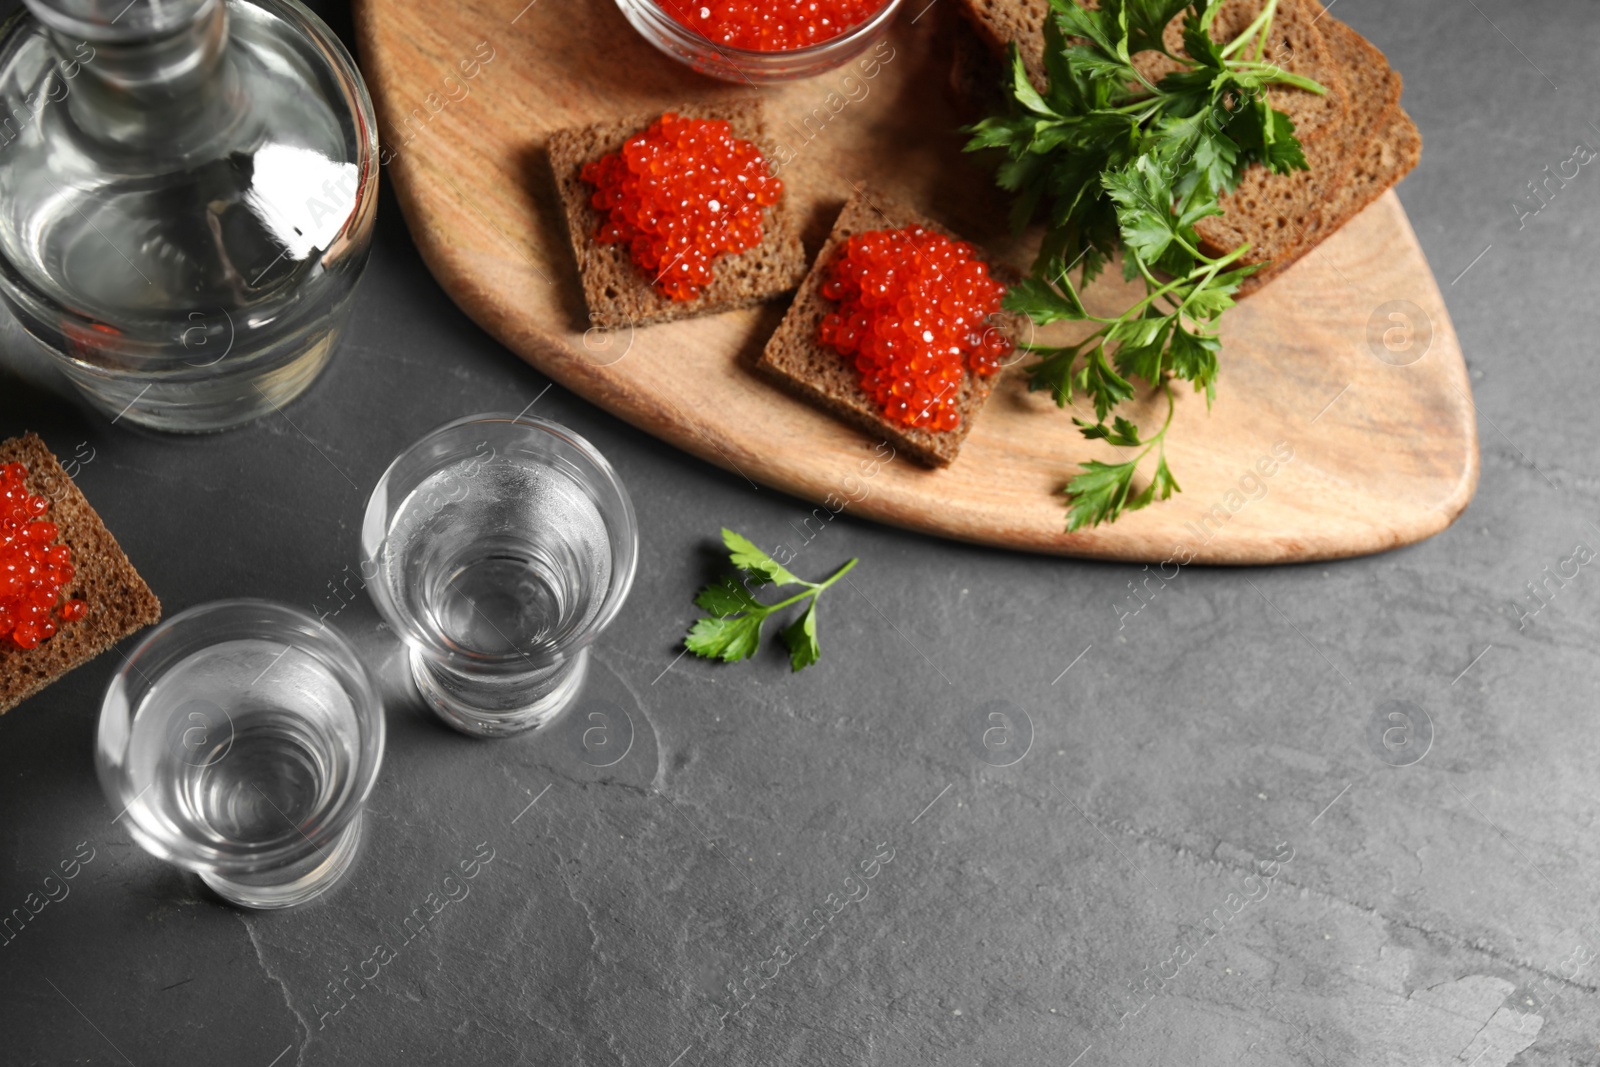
(733,632)
(1120,164)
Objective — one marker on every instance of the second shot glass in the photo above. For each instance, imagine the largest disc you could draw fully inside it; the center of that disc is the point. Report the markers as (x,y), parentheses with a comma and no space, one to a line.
(499,547)
(240,741)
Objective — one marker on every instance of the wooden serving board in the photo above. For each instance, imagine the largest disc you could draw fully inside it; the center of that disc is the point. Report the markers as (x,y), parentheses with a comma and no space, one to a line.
(1384,454)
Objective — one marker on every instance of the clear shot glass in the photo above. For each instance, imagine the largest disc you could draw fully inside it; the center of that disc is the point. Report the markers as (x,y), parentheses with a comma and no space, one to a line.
(499,547)
(240,741)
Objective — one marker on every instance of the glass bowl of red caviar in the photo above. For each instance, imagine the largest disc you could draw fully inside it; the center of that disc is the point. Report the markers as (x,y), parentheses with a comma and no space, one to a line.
(761,41)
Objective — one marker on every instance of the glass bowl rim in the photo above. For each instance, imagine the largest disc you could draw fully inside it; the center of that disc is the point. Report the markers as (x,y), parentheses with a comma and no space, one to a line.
(653,10)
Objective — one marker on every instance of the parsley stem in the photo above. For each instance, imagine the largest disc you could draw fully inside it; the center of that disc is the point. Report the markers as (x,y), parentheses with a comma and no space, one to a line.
(1152,298)
(1229,258)
(1172,409)
(1211,272)
(1258,26)
(1211,269)
(1160,439)
(1191,249)
(815,588)
(1279,76)
(1143,101)
(1150,279)
(1146,81)
(1266,28)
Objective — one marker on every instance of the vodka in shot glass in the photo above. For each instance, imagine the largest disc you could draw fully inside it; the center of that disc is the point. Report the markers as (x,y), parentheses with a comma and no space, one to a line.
(499,547)
(240,740)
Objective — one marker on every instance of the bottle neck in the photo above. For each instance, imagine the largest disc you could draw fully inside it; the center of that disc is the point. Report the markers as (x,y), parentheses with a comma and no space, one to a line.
(168,85)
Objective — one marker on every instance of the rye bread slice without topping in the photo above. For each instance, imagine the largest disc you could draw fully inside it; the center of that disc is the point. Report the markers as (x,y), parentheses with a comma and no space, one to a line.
(976,72)
(1284,216)
(1296,45)
(797,361)
(617,292)
(1388,156)
(120,603)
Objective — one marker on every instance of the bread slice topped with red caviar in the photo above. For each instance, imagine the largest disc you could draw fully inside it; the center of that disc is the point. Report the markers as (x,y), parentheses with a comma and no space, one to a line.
(896,330)
(67,591)
(676,214)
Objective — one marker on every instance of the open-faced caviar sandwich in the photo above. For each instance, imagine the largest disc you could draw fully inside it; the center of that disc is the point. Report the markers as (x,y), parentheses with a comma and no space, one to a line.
(67,591)
(898,329)
(676,214)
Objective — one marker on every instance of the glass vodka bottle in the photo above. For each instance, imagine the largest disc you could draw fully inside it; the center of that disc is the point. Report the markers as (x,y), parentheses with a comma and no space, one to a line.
(187,193)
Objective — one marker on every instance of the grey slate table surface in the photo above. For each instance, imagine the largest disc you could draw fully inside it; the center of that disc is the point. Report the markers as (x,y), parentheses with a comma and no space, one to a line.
(1207,855)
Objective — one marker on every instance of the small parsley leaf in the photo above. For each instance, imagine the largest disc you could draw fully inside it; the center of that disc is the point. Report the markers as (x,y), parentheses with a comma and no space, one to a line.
(801,638)
(1042,302)
(1144,208)
(1121,432)
(1147,22)
(1283,151)
(743,553)
(727,596)
(1054,372)
(728,639)
(1100,27)
(1098,493)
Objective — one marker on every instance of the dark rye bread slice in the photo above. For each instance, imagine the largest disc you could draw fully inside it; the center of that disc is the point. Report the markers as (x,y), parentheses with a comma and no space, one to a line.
(1276,213)
(1284,216)
(617,292)
(797,361)
(976,71)
(119,601)
(1296,44)
(1393,147)
(1389,155)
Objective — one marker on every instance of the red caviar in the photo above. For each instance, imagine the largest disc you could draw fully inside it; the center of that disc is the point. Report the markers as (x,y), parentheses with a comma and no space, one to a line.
(681,195)
(33,568)
(771,25)
(913,311)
